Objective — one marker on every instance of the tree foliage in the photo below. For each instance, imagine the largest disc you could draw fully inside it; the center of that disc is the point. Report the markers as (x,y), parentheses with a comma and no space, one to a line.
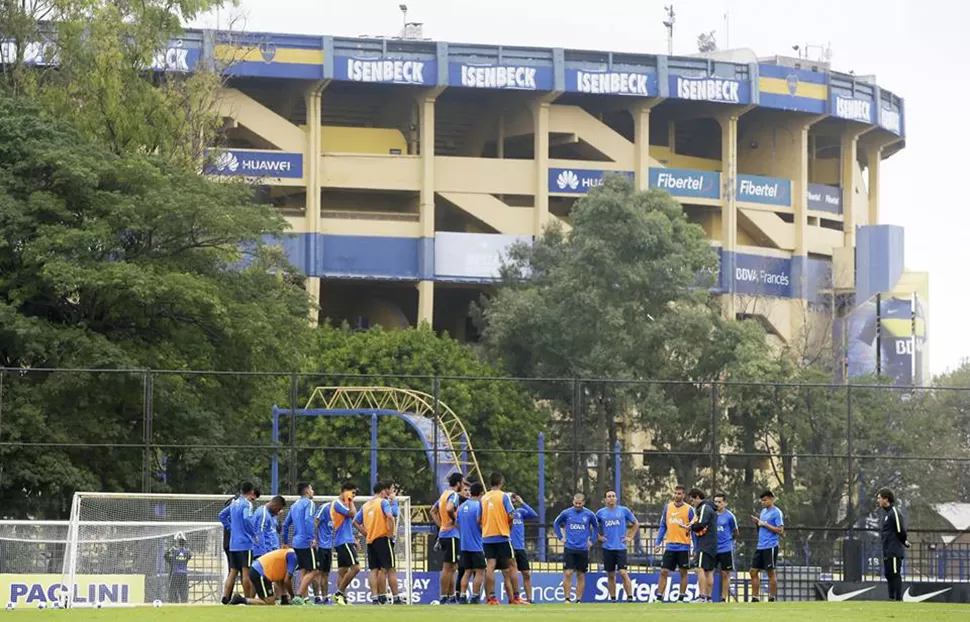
(498,414)
(123,261)
(625,296)
(96,71)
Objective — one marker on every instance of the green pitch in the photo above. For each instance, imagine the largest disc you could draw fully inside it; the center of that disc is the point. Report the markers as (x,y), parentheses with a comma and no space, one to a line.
(848,612)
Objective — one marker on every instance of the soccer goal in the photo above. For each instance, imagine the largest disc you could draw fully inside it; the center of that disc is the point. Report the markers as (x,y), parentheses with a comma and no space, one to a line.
(116,548)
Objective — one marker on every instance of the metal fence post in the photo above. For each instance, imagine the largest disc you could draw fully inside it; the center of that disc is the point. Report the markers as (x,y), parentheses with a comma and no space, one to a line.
(850,506)
(542,497)
(576,455)
(373,451)
(294,395)
(275,465)
(715,449)
(617,466)
(146,458)
(436,395)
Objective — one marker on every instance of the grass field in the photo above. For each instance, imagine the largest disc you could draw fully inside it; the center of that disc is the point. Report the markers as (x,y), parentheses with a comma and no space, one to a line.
(848,612)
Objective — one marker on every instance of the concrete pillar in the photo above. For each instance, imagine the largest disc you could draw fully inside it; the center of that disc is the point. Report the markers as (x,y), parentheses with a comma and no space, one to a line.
(312,160)
(729,208)
(875,163)
(426,206)
(641,148)
(848,181)
(540,116)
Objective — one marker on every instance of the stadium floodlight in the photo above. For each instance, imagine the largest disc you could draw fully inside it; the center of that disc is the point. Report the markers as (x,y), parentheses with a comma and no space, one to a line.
(126,535)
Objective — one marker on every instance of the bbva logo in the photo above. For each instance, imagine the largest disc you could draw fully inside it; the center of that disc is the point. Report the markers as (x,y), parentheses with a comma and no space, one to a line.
(567,179)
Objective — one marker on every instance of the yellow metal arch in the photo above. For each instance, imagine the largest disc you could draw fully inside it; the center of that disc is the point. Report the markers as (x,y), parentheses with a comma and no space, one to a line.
(402,401)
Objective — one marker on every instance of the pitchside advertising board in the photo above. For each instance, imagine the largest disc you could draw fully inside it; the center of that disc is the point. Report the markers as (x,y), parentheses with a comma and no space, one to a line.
(33,589)
(912,592)
(248,163)
(547,588)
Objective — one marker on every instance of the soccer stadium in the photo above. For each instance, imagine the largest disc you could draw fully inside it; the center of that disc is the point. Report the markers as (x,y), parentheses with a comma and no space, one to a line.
(405,168)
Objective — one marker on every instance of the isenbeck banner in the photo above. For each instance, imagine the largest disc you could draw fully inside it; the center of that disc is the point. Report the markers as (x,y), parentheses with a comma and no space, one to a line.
(385,70)
(852,108)
(608,82)
(547,588)
(506,76)
(687,183)
(711,89)
(917,592)
(247,163)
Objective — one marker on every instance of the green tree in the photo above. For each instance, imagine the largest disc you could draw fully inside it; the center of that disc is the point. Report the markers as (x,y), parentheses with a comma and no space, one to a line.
(123,261)
(499,415)
(97,72)
(625,296)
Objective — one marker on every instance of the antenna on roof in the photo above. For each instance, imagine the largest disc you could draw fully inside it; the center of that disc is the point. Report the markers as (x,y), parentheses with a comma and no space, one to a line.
(669,23)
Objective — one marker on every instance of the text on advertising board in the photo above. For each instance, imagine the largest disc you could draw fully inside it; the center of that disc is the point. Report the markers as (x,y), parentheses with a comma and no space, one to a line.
(769,190)
(31,589)
(609,82)
(383,70)
(242,163)
(579,181)
(853,109)
(686,183)
(707,89)
(890,119)
(825,198)
(513,77)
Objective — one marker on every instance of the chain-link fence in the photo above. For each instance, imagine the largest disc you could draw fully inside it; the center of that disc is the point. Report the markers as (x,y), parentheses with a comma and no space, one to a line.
(825,450)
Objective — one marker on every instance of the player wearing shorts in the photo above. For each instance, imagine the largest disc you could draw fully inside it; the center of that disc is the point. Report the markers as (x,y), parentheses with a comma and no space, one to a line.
(704,527)
(580,526)
(727,533)
(378,523)
(300,517)
(771,525)
(617,525)
(269,576)
(472,549)
(237,518)
(443,512)
(497,513)
(675,534)
(342,512)
(323,526)
(522,514)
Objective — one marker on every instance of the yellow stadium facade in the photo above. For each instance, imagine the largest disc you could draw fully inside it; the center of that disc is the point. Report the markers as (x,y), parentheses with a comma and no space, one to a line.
(406,167)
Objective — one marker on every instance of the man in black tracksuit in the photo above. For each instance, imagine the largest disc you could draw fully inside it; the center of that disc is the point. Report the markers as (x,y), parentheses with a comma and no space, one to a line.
(894,543)
(704,527)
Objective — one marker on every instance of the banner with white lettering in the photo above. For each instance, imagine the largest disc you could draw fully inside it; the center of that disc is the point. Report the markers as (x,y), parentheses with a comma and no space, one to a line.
(918,592)
(711,89)
(765,190)
(385,70)
(249,163)
(760,275)
(683,183)
(506,76)
(852,108)
(891,119)
(613,82)
(825,198)
(579,180)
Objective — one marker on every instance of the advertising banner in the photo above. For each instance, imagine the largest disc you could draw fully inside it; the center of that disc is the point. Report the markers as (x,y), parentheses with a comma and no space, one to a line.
(852,108)
(31,589)
(686,183)
(766,190)
(385,70)
(547,588)
(825,198)
(246,163)
(919,592)
(603,82)
(579,180)
(711,89)
(507,77)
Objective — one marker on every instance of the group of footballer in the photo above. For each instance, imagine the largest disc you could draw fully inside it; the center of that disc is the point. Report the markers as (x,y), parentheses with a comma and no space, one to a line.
(479,532)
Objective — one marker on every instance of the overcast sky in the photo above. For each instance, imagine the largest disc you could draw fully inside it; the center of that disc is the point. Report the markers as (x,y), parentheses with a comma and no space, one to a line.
(916,49)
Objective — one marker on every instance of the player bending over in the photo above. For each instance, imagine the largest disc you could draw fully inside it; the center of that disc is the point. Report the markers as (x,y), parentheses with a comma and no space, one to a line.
(270,576)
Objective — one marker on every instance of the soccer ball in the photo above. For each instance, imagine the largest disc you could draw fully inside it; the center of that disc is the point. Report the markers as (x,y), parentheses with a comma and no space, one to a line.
(57,604)
(42,605)
(99,605)
(11,606)
(156,604)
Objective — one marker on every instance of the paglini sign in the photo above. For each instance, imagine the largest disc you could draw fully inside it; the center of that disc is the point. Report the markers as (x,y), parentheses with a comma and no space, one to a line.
(32,589)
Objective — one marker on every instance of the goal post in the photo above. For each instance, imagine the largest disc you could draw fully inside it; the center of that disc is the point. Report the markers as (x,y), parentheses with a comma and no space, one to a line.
(116,547)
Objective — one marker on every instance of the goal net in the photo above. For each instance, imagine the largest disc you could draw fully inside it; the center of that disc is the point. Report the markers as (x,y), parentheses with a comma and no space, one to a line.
(118,549)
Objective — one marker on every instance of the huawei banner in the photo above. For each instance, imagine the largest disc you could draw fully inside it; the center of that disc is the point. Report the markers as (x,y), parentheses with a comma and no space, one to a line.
(912,592)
